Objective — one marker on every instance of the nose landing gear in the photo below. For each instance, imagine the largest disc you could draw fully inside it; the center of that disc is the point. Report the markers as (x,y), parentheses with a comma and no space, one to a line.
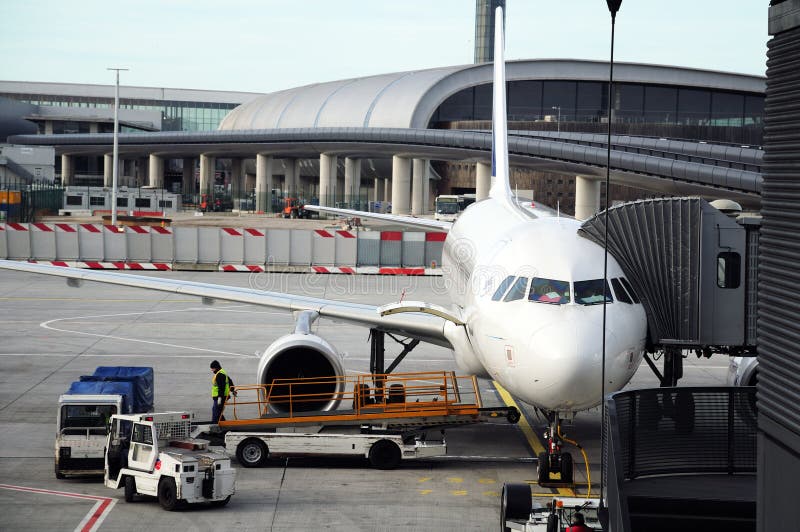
(555,467)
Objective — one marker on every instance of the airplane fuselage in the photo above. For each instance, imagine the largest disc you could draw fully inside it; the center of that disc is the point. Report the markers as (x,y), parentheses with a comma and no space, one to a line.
(547,351)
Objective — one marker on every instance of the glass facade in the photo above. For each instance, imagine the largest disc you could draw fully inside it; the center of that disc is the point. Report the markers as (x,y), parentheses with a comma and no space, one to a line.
(587,101)
(484,28)
(175,115)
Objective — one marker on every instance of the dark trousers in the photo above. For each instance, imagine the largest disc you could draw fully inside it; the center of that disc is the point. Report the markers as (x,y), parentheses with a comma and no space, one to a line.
(216,409)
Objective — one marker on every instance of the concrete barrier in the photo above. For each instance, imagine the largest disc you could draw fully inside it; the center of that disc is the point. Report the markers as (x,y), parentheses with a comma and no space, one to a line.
(67,242)
(90,242)
(227,249)
(255,246)
(346,249)
(19,241)
(323,247)
(391,248)
(43,241)
(231,245)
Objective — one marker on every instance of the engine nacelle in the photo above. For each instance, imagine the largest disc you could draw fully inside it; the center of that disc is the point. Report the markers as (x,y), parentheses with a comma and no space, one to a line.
(302,356)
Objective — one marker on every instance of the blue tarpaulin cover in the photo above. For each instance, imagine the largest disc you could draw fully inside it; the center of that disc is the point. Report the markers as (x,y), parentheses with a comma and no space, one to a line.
(123,388)
(140,376)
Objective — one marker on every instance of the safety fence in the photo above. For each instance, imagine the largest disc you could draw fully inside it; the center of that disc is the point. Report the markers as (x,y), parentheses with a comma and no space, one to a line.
(227,249)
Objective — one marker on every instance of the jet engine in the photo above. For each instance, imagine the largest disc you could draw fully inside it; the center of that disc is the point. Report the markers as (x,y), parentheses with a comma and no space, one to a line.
(302,355)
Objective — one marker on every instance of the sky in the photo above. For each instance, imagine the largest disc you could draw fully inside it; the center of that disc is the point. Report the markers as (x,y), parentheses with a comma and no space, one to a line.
(270,45)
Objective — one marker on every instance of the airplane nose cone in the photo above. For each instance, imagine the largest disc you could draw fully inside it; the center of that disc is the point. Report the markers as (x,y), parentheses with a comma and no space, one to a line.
(569,353)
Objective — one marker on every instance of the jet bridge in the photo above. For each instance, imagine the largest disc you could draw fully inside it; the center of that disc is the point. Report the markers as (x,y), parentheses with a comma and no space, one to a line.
(694,269)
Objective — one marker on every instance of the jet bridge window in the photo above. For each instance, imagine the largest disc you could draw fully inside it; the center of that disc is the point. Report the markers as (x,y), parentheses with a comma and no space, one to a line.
(621,293)
(550,291)
(517,290)
(591,292)
(729,264)
(501,290)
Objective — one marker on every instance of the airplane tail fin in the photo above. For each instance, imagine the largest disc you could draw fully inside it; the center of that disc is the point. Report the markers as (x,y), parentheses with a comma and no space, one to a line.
(501,187)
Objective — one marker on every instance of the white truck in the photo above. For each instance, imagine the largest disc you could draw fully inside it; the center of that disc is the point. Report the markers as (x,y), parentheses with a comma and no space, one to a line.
(383,450)
(154,454)
(85,409)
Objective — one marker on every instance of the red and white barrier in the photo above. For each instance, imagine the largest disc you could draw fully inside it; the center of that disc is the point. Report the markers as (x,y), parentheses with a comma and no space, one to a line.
(103,265)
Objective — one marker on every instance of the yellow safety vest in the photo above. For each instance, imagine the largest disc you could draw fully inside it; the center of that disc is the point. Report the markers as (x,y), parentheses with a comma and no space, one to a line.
(215,388)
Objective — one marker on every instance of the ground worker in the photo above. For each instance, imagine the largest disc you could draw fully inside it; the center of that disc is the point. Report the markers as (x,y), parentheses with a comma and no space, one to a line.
(220,390)
(578,524)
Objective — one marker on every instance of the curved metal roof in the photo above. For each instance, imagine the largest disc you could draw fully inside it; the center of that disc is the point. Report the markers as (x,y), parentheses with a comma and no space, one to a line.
(409,99)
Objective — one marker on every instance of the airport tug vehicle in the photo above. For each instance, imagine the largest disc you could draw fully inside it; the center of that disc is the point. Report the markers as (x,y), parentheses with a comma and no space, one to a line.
(154,454)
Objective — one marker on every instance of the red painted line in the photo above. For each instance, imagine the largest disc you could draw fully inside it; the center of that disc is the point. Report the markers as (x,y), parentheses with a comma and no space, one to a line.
(92,520)
(59,263)
(161,266)
(345,234)
(254,232)
(229,268)
(94,265)
(231,231)
(402,271)
(135,266)
(17,227)
(346,269)
(137,229)
(67,228)
(391,235)
(91,228)
(112,228)
(255,268)
(323,233)
(435,237)
(320,269)
(120,265)
(162,230)
(43,227)
(155,214)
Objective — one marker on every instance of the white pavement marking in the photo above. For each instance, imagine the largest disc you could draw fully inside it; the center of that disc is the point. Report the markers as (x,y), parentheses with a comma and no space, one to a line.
(46,325)
(92,521)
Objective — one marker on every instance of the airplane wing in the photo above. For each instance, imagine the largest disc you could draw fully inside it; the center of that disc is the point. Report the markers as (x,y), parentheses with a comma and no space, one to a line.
(425,223)
(413,321)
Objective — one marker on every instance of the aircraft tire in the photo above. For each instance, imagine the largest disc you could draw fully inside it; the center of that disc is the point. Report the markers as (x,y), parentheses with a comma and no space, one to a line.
(543,469)
(567,469)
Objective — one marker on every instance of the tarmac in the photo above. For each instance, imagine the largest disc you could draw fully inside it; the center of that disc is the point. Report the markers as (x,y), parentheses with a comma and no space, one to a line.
(52,334)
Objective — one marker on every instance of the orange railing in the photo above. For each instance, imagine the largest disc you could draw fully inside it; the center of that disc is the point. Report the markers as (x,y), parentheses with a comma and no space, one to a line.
(356,396)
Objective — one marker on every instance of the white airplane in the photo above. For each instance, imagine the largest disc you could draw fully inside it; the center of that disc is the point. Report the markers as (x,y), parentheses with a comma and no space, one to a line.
(527,294)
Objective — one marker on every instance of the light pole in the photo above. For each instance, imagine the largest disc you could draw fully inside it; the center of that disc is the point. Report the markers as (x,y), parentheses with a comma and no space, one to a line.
(559,117)
(613,7)
(115,158)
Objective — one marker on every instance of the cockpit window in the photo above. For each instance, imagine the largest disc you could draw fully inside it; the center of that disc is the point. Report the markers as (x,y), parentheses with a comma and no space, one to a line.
(517,290)
(498,294)
(549,291)
(629,288)
(621,293)
(591,292)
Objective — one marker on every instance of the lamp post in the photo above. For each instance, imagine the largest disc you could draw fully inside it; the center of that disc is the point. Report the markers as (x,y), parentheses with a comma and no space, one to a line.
(559,117)
(613,7)
(115,158)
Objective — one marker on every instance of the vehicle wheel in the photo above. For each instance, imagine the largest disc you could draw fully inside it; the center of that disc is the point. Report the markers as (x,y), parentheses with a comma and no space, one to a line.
(566,468)
(293,215)
(130,489)
(168,494)
(515,503)
(513,416)
(59,474)
(223,502)
(543,469)
(252,452)
(684,412)
(384,454)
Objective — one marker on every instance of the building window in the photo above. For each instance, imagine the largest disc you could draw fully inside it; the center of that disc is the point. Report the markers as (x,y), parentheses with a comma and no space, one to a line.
(142,202)
(73,201)
(97,201)
(694,106)
(122,202)
(660,104)
(165,204)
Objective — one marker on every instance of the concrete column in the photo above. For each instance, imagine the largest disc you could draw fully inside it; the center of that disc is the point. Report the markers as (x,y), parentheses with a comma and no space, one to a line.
(208,167)
(156,171)
(378,190)
(48,127)
(297,183)
(108,170)
(587,197)
(263,183)
(418,186)
(401,185)
(67,170)
(352,180)
(387,190)
(141,173)
(292,179)
(483,180)
(237,180)
(188,175)
(327,179)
